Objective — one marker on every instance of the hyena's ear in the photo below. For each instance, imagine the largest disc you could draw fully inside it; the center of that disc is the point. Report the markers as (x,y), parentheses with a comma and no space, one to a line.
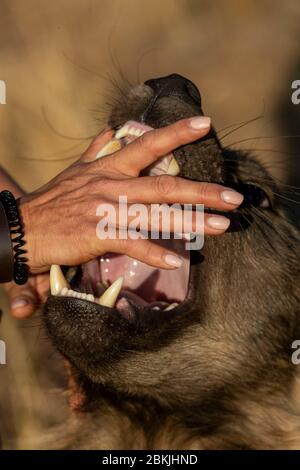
(76,396)
(97,144)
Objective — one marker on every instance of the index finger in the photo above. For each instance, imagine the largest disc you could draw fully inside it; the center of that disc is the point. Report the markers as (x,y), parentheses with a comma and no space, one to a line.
(157,143)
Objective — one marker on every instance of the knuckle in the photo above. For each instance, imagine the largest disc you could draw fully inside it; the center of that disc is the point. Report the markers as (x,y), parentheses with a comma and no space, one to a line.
(102,186)
(123,246)
(165,184)
(103,164)
(149,251)
(204,190)
(147,141)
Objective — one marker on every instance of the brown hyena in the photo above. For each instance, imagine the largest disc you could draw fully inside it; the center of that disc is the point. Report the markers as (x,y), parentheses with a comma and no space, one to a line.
(215,371)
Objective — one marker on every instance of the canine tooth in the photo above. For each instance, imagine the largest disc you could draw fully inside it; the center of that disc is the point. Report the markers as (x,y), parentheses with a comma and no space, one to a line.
(112,146)
(122,132)
(173,169)
(90,297)
(109,297)
(57,280)
(171,306)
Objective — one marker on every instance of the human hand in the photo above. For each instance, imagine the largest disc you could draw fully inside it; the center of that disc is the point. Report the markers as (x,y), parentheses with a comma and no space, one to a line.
(60,218)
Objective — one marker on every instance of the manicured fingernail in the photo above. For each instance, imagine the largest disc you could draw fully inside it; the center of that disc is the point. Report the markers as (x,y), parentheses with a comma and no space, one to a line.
(218,222)
(199,122)
(19,303)
(232,197)
(173,260)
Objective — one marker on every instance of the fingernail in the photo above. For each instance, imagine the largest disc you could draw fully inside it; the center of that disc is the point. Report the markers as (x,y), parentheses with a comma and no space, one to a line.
(232,197)
(19,303)
(199,122)
(218,222)
(173,260)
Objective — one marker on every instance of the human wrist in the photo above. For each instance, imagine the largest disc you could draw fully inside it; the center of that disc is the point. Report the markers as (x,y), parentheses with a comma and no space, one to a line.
(12,240)
(25,209)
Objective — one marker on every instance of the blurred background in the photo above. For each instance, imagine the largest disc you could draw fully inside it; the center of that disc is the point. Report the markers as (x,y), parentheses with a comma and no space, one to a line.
(61,61)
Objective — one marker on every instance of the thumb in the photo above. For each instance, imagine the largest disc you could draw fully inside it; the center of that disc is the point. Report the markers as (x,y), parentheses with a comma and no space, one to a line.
(23,300)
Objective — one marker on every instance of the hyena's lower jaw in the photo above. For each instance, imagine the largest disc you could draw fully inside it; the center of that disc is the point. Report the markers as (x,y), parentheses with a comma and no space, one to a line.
(117,281)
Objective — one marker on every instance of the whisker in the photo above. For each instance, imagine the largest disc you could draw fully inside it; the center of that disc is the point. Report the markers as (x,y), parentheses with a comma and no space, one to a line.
(290,188)
(250,139)
(229,147)
(57,132)
(140,61)
(239,125)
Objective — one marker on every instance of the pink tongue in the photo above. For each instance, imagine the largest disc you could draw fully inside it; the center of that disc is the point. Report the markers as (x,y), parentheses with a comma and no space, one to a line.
(150,283)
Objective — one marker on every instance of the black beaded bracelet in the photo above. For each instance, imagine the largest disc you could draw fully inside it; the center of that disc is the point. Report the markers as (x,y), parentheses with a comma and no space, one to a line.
(20,268)
(6,251)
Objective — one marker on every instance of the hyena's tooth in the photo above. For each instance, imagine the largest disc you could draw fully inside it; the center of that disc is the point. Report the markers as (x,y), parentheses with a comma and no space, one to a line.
(109,297)
(64,291)
(173,169)
(134,131)
(171,306)
(57,280)
(122,132)
(112,146)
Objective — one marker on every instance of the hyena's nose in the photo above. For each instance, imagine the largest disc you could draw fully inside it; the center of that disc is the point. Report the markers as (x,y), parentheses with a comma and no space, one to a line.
(177,86)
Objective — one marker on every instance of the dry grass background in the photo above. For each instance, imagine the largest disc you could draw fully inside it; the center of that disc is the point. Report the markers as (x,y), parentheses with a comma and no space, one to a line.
(56,58)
